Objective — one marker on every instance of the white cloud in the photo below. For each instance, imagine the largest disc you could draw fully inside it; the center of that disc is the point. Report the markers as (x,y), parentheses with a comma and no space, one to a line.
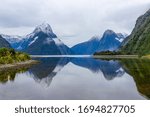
(73,21)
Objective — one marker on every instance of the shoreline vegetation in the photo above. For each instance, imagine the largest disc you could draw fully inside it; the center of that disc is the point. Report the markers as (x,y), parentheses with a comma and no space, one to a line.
(118,55)
(114,55)
(9,58)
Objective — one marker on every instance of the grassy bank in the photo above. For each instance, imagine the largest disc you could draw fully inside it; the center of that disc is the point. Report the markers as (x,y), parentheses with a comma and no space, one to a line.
(9,56)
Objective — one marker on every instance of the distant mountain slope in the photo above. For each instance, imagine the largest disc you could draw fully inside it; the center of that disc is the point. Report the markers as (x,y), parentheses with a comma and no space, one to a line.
(88,47)
(4,43)
(139,40)
(110,41)
(14,40)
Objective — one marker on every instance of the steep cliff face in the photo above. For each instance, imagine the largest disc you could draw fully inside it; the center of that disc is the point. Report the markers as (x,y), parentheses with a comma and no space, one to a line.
(139,40)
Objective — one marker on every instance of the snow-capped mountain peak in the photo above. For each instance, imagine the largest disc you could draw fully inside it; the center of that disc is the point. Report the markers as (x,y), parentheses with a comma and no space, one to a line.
(45,28)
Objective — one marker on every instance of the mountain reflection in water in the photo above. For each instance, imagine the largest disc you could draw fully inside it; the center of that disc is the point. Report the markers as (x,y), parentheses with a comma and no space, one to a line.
(48,68)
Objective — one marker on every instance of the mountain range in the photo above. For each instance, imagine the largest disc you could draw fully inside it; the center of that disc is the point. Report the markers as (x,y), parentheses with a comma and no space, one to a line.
(42,41)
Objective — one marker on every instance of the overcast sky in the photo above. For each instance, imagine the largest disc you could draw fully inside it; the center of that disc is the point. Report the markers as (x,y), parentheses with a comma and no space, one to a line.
(73,21)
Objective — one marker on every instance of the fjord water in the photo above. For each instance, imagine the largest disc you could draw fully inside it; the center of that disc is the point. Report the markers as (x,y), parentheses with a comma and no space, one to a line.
(78,78)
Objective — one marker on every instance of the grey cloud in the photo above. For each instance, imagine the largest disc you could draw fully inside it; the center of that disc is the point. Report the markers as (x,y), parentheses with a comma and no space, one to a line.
(14,13)
(81,18)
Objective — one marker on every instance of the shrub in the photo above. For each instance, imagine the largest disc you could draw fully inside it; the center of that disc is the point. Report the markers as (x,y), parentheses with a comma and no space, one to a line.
(10,56)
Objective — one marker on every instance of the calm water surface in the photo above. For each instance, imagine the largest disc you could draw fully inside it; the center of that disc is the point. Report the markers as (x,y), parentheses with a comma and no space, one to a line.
(78,78)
